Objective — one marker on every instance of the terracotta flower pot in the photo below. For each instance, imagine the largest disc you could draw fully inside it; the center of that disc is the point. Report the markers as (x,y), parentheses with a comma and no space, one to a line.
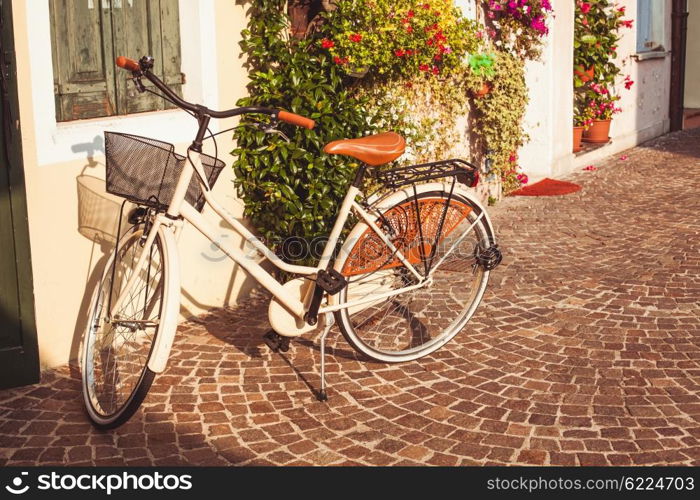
(584,74)
(481,92)
(578,134)
(599,132)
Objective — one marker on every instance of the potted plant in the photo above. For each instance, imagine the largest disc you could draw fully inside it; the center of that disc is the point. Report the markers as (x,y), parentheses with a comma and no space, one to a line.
(481,72)
(597,25)
(603,104)
(584,115)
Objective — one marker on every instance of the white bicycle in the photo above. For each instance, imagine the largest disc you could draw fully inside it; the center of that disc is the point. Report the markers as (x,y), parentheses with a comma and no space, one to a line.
(406,279)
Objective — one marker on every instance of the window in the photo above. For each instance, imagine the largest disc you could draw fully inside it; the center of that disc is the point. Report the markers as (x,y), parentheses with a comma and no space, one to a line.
(87,35)
(650,25)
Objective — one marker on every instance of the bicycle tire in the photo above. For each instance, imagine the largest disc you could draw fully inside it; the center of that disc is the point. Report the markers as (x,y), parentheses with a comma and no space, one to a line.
(382,339)
(124,398)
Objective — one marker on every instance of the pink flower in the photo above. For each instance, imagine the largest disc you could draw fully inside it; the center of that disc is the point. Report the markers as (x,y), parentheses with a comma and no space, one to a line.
(624,157)
(585,7)
(480,34)
(628,82)
(590,168)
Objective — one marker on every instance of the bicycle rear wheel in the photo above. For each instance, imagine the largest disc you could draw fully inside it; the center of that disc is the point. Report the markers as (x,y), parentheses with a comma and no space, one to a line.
(414,323)
(117,347)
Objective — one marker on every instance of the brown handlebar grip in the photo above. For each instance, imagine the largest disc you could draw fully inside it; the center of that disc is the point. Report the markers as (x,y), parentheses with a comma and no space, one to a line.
(126,63)
(298,120)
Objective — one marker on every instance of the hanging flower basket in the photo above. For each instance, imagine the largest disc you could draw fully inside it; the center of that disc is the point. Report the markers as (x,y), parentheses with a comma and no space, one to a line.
(585,75)
(482,91)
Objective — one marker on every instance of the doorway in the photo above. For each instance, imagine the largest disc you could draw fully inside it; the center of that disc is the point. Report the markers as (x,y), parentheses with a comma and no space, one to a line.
(19,356)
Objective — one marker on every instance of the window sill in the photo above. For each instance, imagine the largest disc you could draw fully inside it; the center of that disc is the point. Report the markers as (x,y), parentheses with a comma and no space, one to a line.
(655,54)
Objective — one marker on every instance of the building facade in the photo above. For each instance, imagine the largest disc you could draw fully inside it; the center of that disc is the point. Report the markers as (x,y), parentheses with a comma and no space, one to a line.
(65,107)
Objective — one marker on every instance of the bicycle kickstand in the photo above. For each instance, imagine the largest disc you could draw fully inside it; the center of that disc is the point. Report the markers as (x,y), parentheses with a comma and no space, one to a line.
(330,320)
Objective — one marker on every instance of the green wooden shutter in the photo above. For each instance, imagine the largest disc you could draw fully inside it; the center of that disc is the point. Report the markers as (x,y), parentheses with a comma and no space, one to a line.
(83,63)
(143,27)
(170,38)
(88,35)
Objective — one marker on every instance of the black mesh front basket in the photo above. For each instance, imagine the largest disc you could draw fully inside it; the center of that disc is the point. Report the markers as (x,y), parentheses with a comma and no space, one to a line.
(146,171)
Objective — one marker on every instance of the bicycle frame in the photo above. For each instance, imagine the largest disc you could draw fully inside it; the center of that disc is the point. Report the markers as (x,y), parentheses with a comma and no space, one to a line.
(179,209)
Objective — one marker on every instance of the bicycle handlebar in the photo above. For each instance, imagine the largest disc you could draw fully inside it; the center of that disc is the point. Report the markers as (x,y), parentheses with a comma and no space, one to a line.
(143,68)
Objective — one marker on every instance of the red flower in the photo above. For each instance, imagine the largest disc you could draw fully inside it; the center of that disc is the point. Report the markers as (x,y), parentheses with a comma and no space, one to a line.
(426,6)
(410,13)
(436,70)
(585,7)
(621,10)
(399,52)
(409,52)
(424,67)
(409,85)
(627,24)
(409,29)
(327,44)
(340,61)
(437,57)
(628,82)
(355,37)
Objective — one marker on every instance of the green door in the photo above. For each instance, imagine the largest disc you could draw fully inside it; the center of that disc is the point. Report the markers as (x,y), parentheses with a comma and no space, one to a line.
(19,358)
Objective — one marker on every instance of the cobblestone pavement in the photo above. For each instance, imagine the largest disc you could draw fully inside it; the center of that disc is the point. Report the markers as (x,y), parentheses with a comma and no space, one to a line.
(586,351)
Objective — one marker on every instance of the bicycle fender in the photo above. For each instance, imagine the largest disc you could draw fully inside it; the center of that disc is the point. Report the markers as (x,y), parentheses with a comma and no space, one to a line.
(166,335)
(383,203)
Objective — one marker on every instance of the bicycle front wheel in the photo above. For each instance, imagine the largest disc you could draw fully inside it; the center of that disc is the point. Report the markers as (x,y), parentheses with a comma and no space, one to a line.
(435,231)
(118,344)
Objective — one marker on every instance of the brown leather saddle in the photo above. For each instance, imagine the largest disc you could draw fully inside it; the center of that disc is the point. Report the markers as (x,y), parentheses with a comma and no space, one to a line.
(373,150)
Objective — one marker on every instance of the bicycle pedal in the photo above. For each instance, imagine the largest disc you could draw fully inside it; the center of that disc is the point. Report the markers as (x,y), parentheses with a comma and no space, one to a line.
(488,258)
(276,342)
(331,281)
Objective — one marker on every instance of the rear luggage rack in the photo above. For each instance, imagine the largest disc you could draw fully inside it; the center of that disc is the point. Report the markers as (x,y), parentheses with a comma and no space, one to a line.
(461,170)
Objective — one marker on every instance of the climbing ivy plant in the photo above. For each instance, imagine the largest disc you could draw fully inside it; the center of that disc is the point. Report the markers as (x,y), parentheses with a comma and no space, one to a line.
(292,188)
